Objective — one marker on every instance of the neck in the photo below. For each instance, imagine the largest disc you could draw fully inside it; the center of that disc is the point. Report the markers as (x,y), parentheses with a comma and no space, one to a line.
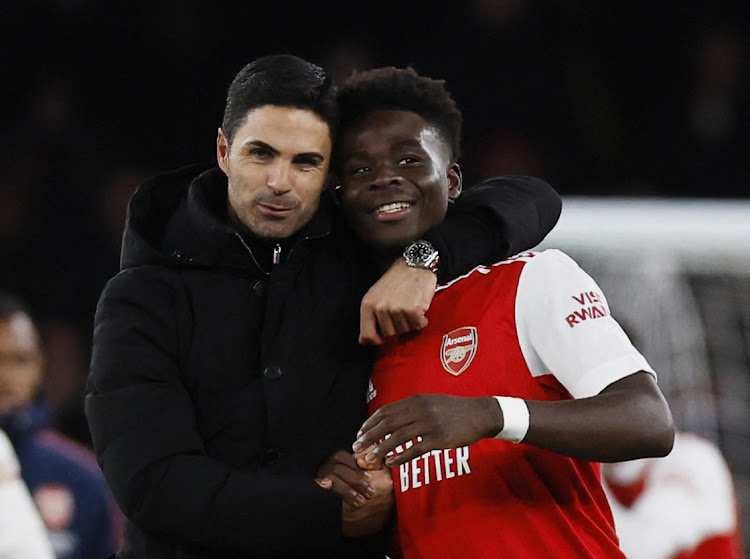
(234,221)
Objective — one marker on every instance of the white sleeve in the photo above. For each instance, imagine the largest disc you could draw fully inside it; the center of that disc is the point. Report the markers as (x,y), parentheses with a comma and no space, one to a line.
(22,534)
(565,328)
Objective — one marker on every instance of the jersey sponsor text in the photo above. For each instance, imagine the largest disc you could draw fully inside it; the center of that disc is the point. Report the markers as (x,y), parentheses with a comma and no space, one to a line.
(433,467)
(595,308)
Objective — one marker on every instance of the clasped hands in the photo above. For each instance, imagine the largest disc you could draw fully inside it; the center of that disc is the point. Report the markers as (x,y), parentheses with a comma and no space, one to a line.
(366,492)
(427,422)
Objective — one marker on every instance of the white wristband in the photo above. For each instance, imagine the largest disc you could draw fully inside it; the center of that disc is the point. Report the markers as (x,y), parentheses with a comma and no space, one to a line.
(515,418)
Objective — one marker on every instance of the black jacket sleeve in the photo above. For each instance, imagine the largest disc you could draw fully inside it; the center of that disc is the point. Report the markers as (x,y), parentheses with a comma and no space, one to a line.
(146,439)
(497,218)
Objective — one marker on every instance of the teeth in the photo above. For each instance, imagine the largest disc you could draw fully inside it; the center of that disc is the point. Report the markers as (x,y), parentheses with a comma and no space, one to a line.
(393,207)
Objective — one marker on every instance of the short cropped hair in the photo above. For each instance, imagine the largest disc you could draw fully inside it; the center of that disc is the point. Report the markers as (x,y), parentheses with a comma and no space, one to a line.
(402,89)
(283,80)
(10,305)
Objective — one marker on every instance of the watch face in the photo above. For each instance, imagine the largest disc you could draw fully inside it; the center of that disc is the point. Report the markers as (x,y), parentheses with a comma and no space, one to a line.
(419,252)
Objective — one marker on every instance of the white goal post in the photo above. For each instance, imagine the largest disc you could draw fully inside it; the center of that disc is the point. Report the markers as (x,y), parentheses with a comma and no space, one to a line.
(703,235)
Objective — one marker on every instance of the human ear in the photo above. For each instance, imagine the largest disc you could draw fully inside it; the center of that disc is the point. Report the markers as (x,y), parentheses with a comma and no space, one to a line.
(455,181)
(222,151)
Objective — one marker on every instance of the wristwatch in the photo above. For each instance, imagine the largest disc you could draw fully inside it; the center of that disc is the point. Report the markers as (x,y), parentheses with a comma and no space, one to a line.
(421,254)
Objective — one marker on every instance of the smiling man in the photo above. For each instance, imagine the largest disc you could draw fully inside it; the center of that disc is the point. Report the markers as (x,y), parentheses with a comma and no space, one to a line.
(226,365)
(494,416)
(395,170)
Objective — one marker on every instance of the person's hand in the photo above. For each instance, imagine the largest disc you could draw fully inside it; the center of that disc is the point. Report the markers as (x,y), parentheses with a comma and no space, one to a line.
(361,458)
(396,303)
(372,516)
(431,422)
(341,474)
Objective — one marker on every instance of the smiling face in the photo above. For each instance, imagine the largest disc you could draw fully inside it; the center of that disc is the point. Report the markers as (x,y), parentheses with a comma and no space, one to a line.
(276,167)
(397,175)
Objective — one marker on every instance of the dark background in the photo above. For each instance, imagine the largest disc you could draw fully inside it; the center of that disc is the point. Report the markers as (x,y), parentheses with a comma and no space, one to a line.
(644,98)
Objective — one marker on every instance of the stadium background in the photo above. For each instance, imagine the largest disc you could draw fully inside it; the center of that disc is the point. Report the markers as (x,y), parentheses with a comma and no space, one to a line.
(647,99)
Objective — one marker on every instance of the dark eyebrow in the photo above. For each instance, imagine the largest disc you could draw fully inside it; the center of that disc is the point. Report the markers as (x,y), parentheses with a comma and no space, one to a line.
(260,144)
(408,144)
(414,144)
(313,157)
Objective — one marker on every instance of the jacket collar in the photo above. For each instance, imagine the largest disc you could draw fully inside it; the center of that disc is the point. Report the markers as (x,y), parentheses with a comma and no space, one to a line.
(207,217)
(179,219)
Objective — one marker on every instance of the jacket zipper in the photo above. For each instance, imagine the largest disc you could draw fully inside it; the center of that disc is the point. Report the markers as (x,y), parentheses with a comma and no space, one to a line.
(276,250)
(249,250)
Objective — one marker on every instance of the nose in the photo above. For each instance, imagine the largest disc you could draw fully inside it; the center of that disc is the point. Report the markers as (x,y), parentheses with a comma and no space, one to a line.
(279,178)
(384,176)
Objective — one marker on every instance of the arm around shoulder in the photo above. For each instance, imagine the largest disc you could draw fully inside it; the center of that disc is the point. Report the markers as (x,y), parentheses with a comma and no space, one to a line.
(497,218)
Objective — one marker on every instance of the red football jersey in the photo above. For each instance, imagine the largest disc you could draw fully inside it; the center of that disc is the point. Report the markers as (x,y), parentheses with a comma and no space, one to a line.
(535,327)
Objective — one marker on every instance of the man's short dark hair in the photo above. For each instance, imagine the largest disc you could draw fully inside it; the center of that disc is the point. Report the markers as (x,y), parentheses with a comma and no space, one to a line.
(283,80)
(10,305)
(402,89)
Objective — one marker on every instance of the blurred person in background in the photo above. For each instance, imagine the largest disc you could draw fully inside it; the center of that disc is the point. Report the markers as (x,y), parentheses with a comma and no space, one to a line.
(22,534)
(63,477)
(684,505)
(681,506)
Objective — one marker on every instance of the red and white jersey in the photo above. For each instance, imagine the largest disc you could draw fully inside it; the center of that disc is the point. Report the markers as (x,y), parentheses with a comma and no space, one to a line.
(682,506)
(536,327)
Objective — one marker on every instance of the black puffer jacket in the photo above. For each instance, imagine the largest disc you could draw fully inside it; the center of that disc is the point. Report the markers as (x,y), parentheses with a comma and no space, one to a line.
(220,382)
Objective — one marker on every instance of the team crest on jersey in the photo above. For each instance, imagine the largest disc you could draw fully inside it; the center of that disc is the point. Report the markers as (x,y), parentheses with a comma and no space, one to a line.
(458,349)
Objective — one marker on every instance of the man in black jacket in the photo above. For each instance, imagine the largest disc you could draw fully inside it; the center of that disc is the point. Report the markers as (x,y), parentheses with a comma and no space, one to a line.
(226,365)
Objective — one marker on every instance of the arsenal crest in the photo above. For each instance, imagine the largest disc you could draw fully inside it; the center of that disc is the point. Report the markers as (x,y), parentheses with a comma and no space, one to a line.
(458,349)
